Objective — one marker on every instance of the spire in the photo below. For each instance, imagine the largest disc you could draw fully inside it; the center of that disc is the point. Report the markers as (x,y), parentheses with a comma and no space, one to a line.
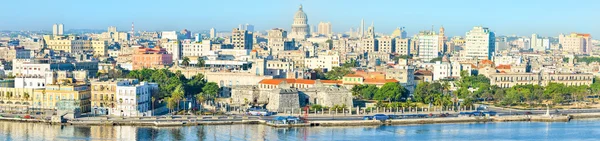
(300,7)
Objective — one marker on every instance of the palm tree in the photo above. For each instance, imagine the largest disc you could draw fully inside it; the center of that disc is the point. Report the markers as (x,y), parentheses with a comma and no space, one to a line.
(200,62)
(26,95)
(200,97)
(152,99)
(186,61)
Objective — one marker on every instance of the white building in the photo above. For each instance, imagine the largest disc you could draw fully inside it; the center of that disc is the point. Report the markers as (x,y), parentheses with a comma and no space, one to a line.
(133,98)
(324,60)
(480,43)
(58,29)
(171,35)
(539,44)
(213,33)
(444,70)
(428,45)
(173,47)
(196,48)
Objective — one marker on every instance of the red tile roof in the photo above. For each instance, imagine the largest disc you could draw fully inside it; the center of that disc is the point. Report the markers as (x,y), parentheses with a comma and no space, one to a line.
(503,67)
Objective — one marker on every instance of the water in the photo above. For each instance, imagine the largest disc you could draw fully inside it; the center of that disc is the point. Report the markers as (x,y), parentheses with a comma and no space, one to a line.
(573,130)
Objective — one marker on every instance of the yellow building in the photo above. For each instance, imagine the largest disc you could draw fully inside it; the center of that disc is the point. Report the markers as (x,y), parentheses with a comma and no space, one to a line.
(100,48)
(18,99)
(47,98)
(103,96)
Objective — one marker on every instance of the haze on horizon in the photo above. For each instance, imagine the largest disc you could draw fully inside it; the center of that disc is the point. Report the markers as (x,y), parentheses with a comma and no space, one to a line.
(509,17)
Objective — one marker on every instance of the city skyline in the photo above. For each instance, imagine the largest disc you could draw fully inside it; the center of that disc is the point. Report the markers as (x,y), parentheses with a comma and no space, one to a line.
(546,18)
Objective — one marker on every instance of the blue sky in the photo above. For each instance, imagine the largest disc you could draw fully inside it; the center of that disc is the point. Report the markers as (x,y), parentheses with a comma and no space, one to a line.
(505,17)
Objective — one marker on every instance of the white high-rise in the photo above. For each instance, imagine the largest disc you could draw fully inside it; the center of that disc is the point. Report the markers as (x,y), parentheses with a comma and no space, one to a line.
(57,29)
(213,33)
(428,45)
(480,43)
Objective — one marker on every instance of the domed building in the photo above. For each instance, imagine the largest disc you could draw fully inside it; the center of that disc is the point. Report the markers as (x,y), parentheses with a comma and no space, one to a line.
(300,27)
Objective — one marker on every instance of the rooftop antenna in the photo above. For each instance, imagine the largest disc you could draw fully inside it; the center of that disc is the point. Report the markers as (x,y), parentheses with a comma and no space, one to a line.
(132,33)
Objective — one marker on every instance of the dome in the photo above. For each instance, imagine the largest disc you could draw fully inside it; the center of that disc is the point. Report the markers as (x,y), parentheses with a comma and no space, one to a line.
(300,14)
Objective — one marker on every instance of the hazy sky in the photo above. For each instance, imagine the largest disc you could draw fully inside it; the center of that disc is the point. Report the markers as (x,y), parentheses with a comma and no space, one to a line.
(505,17)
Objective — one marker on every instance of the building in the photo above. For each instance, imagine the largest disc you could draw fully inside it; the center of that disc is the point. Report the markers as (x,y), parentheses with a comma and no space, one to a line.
(402,46)
(113,35)
(369,45)
(103,97)
(399,33)
(576,43)
(171,35)
(428,45)
(241,39)
(10,53)
(15,99)
(78,94)
(156,57)
(324,60)
(480,43)
(300,27)
(325,28)
(507,80)
(442,41)
(58,29)
(173,47)
(386,45)
(277,41)
(134,98)
(99,48)
(213,33)
(202,48)
(538,43)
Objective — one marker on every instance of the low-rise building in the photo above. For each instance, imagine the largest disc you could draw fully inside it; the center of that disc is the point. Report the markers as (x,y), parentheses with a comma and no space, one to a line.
(133,98)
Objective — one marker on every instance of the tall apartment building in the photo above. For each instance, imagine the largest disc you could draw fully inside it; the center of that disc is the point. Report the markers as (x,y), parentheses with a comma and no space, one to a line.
(213,33)
(402,46)
(171,35)
(191,48)
(578,43)
(386,45)
(428,45)
(325,28)
(369,45)
(277,41)
(480,43)
(241,39)
(58,29)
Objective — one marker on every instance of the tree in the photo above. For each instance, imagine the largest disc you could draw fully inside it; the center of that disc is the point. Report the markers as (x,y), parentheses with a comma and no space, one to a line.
(186,61)
(171,104)
(211,89)
(337,73)
(201,62)
(26,95)
(391,91)
(350,64)
(356,90)
(369,91)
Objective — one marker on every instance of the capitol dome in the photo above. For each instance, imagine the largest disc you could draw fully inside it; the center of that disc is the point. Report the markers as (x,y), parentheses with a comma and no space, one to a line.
(300,14)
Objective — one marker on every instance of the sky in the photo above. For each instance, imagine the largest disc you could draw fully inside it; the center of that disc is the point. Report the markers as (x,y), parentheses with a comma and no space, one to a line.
(505,17)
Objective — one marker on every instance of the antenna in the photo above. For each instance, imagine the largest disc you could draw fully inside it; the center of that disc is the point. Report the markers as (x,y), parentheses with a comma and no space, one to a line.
(132,33)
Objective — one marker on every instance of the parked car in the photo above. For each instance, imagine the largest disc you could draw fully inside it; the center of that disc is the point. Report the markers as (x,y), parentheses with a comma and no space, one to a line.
(368,118)
(380,117)
(528,113)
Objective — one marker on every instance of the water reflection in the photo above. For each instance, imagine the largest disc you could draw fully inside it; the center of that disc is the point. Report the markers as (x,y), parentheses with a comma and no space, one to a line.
(574,130)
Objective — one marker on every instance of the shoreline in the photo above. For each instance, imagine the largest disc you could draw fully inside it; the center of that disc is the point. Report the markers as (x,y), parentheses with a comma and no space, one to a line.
(315,123)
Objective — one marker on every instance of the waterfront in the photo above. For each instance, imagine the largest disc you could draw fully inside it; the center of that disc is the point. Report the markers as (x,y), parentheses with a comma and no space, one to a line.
(588,129)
